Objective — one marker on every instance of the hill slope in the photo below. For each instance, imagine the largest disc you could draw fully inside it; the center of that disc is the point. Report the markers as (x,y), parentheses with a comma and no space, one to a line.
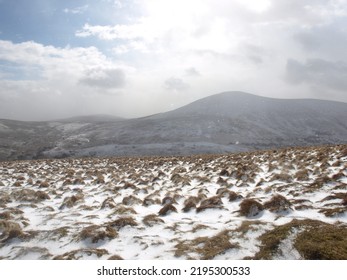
(226,122)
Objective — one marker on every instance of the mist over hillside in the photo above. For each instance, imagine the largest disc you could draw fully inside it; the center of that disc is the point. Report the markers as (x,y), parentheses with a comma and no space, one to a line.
(225,122)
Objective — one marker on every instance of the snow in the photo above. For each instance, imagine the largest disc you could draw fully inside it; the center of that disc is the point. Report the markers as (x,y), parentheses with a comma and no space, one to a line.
(48,230)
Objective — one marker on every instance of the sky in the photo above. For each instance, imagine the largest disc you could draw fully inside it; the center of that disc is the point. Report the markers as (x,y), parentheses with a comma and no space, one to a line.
(133,58)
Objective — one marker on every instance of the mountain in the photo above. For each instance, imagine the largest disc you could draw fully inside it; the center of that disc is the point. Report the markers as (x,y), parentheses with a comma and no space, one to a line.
(225,122)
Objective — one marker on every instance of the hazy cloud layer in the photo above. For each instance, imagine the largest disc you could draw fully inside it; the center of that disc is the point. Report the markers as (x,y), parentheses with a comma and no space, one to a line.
(318,72)
(176,84)
(104,78)
(152,56)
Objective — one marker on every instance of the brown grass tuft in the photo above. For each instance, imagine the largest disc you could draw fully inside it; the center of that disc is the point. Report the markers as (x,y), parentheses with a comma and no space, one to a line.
(224,172)
(71,201)
(96,233)
(167,209)
(250,207)
(131,200)
(234,196)
(214,202)
(123,222)
(190,203)
(108,203)
(206,247)
(9,230)
(148,201)
(223,192)
(115,258)
(79,254)
(168,200)
(151,220)
(284,177)
(315,241)
(278,203)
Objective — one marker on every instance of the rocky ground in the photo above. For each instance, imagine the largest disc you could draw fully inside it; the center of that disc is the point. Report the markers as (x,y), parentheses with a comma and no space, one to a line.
(277,204)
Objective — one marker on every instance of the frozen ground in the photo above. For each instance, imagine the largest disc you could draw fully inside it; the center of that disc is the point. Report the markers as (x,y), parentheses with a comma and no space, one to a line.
(279,204)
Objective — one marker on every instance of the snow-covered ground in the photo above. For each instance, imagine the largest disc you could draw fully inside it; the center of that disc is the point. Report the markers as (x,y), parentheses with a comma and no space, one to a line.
(194,207)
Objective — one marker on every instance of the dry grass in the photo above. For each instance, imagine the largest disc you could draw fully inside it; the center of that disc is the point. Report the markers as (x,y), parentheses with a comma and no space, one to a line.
(214,202)
(284,177)
(316,240)
(250,208)
(167,209)
(71,201)
(9,230)
(131,200)
(29,195)
(123,222)
(122,210)
(206,247)
(333,212)
(234,196)
(278,203)
(108,203)
(190,203)
(79,254)
(115,258)
(151,220)
(96,233)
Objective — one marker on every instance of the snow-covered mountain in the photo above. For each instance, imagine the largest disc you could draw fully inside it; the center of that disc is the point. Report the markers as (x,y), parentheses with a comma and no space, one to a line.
(226,122)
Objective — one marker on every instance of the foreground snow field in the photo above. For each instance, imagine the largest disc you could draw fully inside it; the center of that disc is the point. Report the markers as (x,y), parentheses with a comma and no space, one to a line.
(279,204)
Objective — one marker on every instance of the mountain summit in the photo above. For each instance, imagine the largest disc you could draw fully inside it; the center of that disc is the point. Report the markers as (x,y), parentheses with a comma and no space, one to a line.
(225,122)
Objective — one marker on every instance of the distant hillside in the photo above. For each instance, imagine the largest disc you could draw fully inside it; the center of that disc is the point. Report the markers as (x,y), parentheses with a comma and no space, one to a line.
(225,122)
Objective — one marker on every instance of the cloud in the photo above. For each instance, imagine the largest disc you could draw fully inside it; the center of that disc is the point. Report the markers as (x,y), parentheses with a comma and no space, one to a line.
(327,40)
(192,72)
(104,78)
(45,82)
(175,84)
(77,10)
(319,73)
(107,32)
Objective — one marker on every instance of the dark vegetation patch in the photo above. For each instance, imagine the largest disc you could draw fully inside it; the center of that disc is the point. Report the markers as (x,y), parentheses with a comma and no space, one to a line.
(108,203)
(148,201)
(151,220)
(250,208)
(207,248)
(123,222)
(234,196)
(71,201)
(278,203)
(9,230)
(81,253)
(131,200)
(214,202)
(115,258)
(315,240)
(190,203)
(167,209)
(96,233)
(29,195)
(199,227)
(333,212)
(122,210)
(23,251)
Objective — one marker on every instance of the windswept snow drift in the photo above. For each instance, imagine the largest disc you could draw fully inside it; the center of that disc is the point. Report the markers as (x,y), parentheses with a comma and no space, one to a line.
(236,206)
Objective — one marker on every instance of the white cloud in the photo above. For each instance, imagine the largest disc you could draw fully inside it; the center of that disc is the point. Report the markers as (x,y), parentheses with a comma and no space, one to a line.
(175,84)
(104,78)
(77,10)
(70,81)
